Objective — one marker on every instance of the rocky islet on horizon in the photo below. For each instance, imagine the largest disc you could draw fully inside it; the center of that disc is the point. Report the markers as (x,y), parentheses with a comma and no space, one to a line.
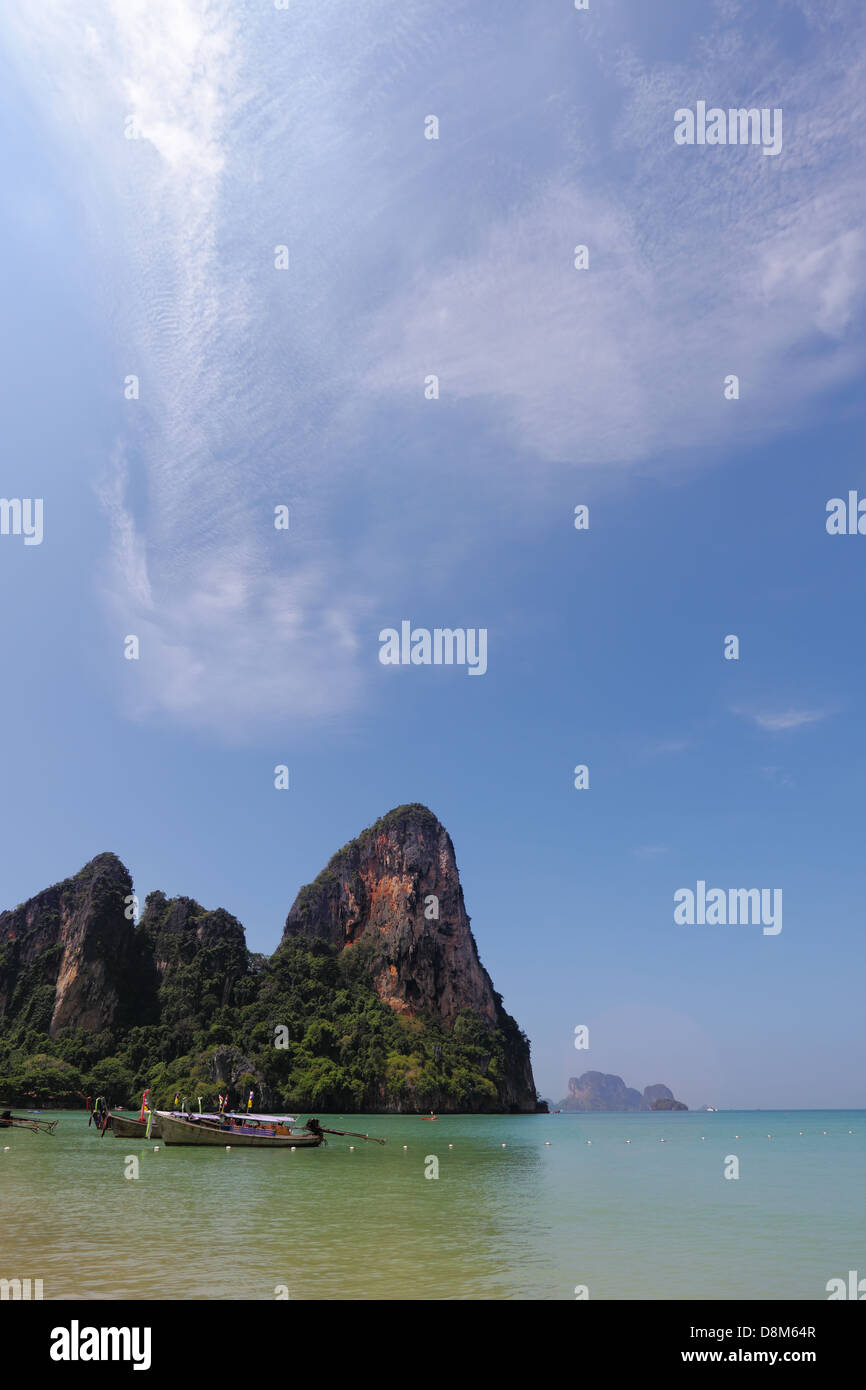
(597,1090)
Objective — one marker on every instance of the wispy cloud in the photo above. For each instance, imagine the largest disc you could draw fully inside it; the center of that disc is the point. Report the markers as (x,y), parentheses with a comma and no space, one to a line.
(783,720)
(409,257)
(703,262)
(232,631)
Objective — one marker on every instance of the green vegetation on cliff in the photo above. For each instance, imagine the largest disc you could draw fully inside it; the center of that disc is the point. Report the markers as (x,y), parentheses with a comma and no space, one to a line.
(304,1029)
(375,998)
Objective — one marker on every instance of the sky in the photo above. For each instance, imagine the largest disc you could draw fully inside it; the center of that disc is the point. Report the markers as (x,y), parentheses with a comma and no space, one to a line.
(157,155)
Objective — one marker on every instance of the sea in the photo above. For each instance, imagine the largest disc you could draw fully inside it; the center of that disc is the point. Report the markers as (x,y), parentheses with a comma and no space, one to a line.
(664,1205)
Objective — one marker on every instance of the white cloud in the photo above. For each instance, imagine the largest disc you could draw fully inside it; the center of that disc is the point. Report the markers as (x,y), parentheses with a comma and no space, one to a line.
(261,127)
(703,262)
(780,721)
(232,630)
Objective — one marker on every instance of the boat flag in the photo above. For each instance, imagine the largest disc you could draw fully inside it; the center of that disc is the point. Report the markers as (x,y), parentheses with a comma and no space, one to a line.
(199,1105)
(144,1103)
(250,1102)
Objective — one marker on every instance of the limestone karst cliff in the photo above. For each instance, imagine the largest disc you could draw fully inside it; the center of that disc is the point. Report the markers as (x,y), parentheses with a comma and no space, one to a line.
(376,989)
(195,958)
(597,1090)
(68,956)
(396,891)
(397,886)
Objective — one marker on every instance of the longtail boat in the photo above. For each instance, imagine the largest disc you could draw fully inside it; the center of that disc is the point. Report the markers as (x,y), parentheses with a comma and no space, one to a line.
(239,1130)
(129,1127)
(125,1127)
(145,1125)
(10,1121)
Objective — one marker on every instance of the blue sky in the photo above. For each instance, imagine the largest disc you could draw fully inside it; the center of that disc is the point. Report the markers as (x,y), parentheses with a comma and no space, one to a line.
(155,256)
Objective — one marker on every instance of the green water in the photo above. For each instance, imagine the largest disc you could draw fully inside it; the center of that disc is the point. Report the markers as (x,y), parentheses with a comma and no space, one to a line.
(643,1219)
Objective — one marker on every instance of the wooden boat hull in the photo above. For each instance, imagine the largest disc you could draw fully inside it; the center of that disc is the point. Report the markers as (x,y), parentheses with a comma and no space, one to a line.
(177,1131)
(125,1127)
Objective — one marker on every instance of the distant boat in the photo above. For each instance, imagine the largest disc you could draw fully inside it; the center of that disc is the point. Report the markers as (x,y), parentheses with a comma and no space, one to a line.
(239,1130)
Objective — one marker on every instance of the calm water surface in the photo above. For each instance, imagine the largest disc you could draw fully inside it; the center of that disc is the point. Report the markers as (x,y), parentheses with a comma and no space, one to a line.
(643,1219)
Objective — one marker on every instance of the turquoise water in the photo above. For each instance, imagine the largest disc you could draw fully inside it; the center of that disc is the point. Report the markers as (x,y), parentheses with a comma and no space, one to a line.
(637,1220)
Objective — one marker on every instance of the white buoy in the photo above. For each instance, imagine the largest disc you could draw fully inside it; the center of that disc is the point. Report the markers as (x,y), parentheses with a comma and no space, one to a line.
(547,1143)
(156,1148)
(825,1131)
(405,1146)
(661,1141)
(228,1148)
(351,1148)
(589,1141)
(294,1146)
(451,1146)
(503,1146)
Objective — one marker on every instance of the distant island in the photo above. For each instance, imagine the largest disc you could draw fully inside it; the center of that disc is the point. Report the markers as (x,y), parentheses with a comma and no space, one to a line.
(374,1000)
(598,1090)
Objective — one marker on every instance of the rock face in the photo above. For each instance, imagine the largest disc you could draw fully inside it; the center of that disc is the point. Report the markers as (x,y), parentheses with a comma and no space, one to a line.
(652,1094)
(230,1069)
(397,887)
(68,957)
(597,1090)
(396,891)
(194,957)
(72,958)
